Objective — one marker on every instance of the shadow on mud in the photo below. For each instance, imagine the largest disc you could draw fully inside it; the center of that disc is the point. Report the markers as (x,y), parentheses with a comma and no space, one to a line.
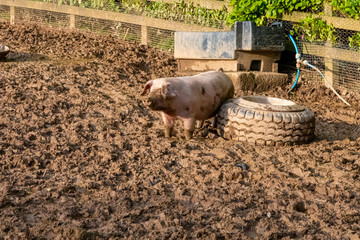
(335,130)
(24,57)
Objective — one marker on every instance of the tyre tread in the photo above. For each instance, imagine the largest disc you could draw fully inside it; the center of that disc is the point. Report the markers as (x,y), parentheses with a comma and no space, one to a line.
(265,127)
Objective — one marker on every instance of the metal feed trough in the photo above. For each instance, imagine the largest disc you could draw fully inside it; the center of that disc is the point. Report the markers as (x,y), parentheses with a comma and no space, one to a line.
(248,47)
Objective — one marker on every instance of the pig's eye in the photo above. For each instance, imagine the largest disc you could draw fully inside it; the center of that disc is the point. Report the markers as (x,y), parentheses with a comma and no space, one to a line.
(157,92)
(169,91)
(164,90)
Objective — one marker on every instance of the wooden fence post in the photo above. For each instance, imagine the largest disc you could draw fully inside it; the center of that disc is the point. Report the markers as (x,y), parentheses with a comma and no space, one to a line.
(328,59)
(12,15)
(72,21)
(144,35)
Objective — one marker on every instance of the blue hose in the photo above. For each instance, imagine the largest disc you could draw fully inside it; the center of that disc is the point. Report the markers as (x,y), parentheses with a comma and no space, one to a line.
(296,80)
(293,41)
(298,56)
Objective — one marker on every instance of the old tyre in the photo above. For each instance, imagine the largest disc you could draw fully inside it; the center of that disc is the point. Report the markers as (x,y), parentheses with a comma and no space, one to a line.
(265,121)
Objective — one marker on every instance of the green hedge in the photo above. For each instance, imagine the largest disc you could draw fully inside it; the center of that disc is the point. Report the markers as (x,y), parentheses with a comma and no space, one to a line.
(109,5)
(179,11)
(310,28)
(314,29)
(351,8)
(259,11)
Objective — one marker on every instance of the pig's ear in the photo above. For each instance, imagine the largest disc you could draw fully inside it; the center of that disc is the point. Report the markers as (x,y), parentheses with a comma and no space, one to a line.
(147,87)
(169,90)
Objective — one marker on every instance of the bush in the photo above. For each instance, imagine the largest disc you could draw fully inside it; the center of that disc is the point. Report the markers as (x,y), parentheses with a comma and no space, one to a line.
(314,29)
(179,11)
(259,11)
(351,8)
(354,41)
(110,5)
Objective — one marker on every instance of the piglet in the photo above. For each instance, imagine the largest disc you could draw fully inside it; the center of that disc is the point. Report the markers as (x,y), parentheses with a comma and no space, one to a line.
(188,98)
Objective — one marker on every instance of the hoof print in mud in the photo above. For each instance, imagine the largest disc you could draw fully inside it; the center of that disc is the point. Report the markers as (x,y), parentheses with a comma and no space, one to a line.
(265,121)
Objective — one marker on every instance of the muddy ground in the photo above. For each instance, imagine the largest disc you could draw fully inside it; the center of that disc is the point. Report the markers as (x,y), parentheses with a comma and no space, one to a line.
(82,158)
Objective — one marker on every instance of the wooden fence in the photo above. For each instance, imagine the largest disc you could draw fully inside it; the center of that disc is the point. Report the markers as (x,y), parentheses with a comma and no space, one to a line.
(326,51)
(143,21)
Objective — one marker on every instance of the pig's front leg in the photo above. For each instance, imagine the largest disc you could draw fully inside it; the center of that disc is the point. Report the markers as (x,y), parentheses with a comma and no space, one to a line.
(168,123)
(189,127)
(199,123)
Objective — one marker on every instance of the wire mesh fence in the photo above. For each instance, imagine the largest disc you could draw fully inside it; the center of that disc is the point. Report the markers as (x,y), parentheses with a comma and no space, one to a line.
(188,12)
(337,13)
(161,38)
(54,19)
(346,73)
(125,31)
(343,73)
(4,13)
(342,38)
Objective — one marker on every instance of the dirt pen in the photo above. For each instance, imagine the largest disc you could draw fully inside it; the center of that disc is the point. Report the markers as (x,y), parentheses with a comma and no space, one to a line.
(82,158)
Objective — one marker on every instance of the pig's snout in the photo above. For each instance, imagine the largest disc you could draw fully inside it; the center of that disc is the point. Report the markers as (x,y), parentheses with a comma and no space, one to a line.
(149,102)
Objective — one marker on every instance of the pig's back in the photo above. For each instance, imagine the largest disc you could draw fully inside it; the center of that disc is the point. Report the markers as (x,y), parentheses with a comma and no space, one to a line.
(202,94)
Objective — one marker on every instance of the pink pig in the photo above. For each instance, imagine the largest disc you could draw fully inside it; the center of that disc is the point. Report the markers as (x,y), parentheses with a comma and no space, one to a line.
(188,98)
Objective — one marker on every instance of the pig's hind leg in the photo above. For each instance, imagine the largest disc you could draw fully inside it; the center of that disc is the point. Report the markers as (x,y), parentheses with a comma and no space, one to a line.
(199,123)
(168,123)
(213,122)
(189,127)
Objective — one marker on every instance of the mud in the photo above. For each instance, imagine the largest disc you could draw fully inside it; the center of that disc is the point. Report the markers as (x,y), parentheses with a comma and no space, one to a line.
(82,158)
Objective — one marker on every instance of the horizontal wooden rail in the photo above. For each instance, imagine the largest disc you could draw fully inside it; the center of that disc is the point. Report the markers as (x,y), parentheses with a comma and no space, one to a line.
(343,23)
(330,52)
